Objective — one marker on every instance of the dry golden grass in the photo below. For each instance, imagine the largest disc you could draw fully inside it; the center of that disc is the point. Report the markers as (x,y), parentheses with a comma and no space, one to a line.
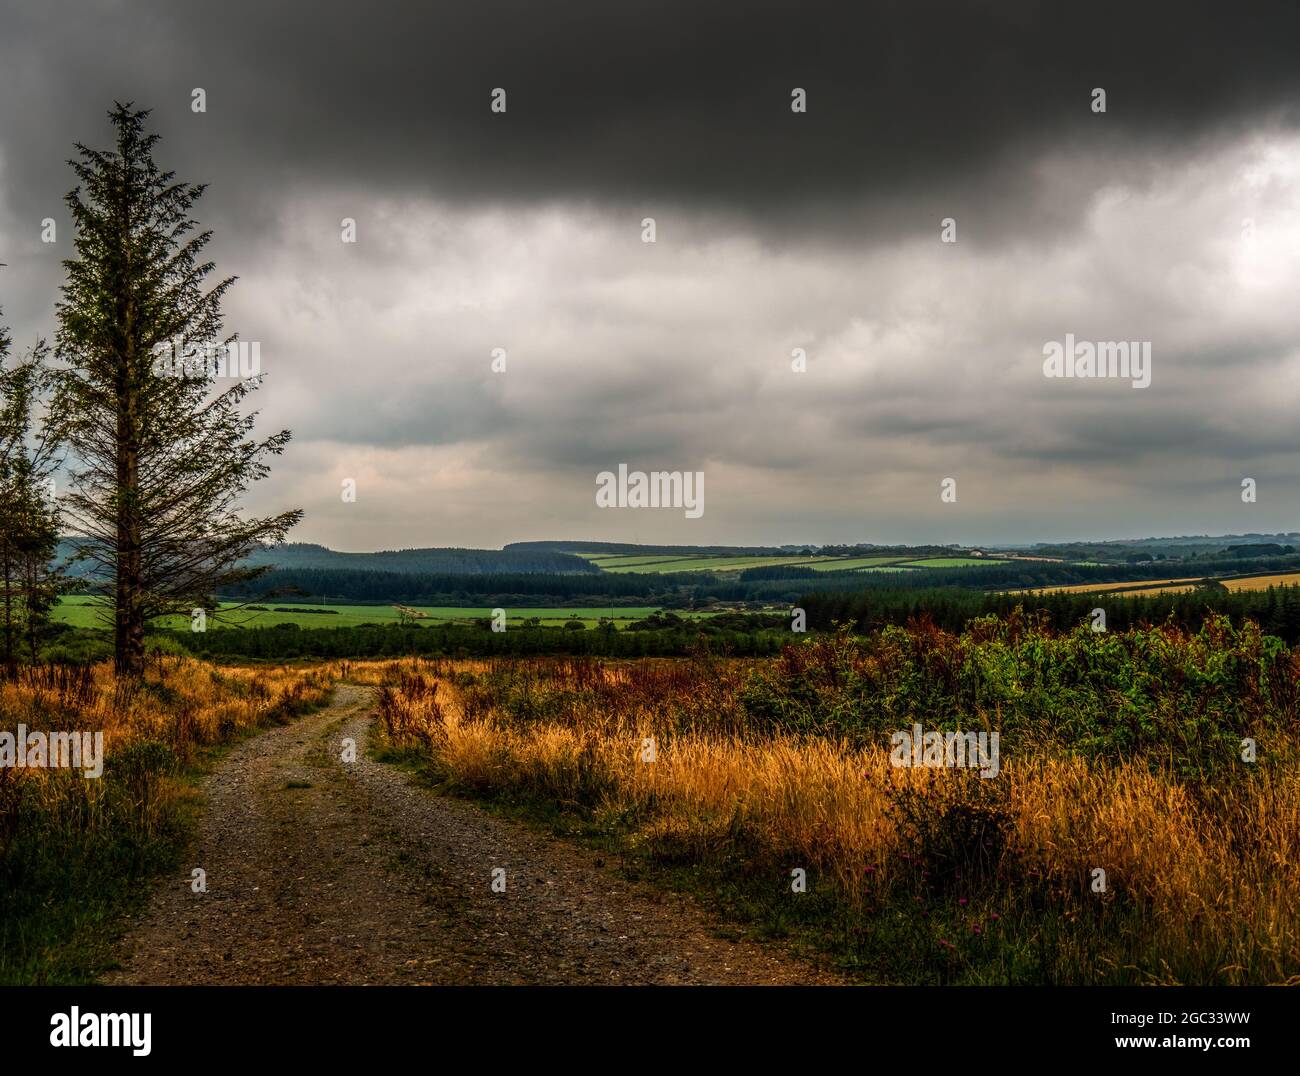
(1214,876)
(75,853)
(1143,586)
(1151,591)
(375,673)
(1172,586)
(182,705)
(184,702)
(1263,582)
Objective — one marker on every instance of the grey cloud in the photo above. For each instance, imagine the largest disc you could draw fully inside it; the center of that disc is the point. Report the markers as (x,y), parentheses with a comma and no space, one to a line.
(775,230)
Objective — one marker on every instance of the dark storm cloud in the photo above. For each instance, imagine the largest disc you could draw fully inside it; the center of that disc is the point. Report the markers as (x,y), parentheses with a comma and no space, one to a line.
(685,103)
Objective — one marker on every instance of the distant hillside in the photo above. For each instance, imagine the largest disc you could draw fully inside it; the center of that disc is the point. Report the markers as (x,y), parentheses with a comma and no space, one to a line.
(304,556)
(426,561)
(667,550)
(1186,547)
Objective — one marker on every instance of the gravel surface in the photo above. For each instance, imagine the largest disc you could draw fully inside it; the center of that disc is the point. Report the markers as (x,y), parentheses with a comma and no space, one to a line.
(321,872)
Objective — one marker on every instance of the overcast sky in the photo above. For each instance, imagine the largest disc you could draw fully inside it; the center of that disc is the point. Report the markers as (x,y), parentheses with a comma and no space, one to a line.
(1172,217)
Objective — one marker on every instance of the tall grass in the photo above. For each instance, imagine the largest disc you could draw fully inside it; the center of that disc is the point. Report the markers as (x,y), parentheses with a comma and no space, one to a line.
(74,852)
(924,875)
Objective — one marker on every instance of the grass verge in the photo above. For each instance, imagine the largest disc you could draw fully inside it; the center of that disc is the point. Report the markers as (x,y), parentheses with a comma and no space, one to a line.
(79,854)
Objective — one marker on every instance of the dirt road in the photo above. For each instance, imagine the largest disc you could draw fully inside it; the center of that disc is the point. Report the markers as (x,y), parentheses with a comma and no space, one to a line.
(320,871)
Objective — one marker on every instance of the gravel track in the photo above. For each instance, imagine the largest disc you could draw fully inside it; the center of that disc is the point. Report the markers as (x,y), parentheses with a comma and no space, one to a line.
(324,872)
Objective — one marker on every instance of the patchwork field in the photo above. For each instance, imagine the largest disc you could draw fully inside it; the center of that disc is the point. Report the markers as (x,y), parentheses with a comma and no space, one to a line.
(81,612)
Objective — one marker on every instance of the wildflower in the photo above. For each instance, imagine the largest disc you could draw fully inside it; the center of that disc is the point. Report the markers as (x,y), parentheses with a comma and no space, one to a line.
(962,902)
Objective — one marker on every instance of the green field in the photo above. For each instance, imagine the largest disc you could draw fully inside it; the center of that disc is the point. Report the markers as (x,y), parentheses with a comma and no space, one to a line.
(659,563)
(80,612)
(843,564)
(617,559)
(952,562)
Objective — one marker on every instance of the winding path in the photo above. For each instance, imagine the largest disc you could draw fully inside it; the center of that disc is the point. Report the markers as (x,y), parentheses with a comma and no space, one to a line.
(325,872)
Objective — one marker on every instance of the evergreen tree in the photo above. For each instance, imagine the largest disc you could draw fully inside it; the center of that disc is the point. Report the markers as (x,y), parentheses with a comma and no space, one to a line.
(28,515)
(162,454)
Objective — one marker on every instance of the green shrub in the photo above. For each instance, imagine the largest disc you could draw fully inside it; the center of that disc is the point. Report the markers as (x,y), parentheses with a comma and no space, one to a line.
(1178,698)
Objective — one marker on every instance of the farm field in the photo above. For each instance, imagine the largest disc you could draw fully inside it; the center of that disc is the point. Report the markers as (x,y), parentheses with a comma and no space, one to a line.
(620,561)
(950,562)
(1184,588)
(851,563)
(1249,583)
(659,563)
(80,612)
(1263,582)
(1100,588)
(1170,586)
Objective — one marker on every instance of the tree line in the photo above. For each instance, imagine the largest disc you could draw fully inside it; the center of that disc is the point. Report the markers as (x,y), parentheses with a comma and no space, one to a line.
(28,517)
(462,640)
(448,589)
(1275,609)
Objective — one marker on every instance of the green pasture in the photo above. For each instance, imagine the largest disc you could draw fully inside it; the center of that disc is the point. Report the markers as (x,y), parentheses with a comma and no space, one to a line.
(661,565)
(82,612)
(952,562)
(844,564)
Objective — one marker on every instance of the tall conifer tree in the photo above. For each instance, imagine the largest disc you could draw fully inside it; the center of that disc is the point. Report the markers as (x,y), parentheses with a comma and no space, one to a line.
(161,457)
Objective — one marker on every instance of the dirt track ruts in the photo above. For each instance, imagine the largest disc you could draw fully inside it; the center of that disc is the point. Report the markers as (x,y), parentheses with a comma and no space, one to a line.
(321,872)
